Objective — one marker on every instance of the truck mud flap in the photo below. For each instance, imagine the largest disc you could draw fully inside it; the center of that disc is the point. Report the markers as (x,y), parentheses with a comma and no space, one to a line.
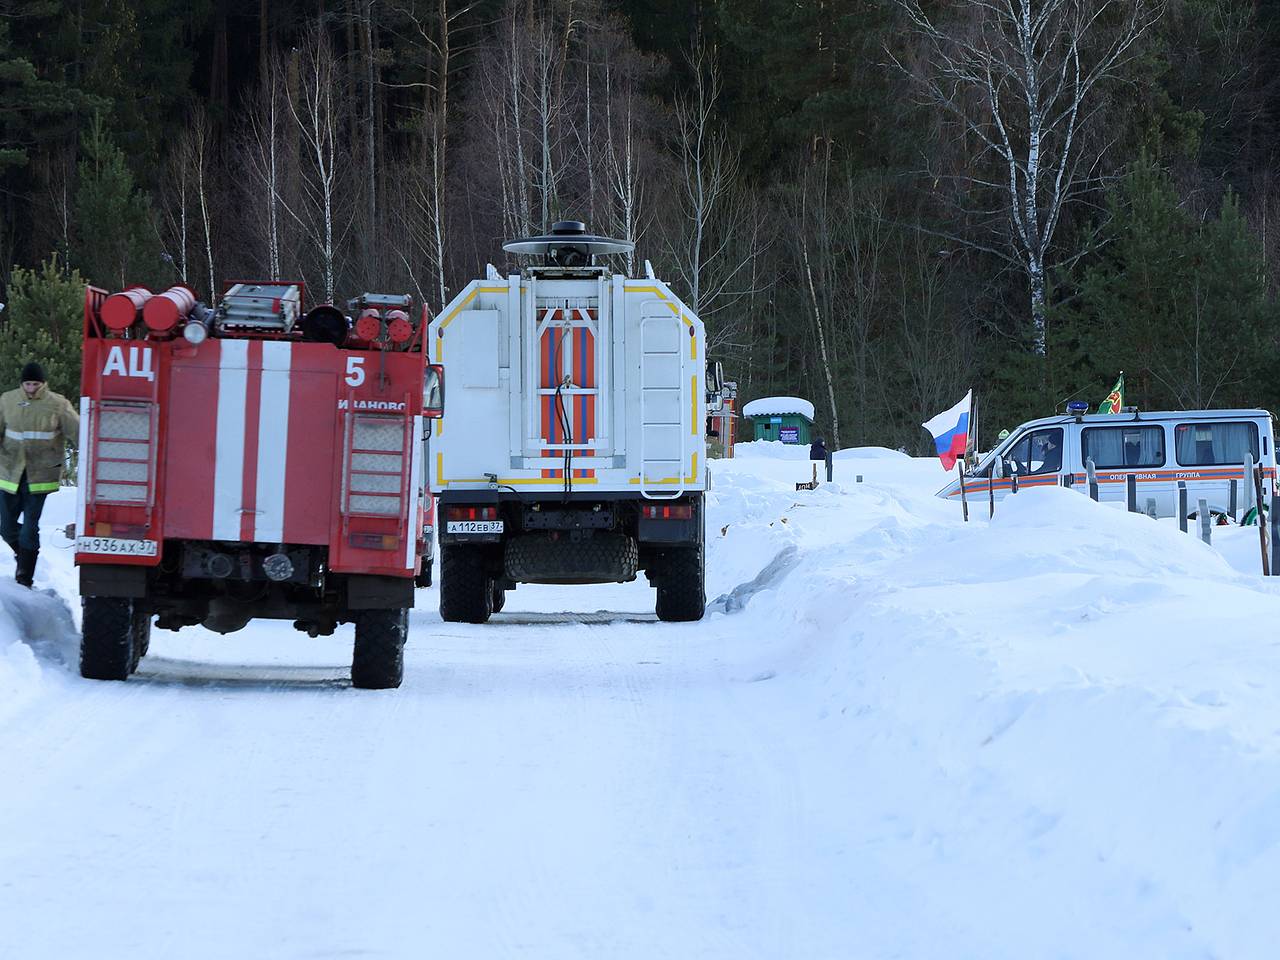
(112,580)
(378,593)
(537,558)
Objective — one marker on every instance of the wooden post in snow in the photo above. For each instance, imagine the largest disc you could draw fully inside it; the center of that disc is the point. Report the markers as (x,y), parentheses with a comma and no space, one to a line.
(1248,486)
(964,500)
(1262,526)
(1274,519)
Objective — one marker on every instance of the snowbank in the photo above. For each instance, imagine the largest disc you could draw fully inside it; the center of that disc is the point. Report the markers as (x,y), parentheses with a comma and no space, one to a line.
(36,630)
(1055,734)
(869,453)
(39,638)
(778,406)
(771,450)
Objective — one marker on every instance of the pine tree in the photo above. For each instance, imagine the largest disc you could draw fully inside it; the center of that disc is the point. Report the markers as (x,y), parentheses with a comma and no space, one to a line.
(117,242)
(1180,305)
(43,321)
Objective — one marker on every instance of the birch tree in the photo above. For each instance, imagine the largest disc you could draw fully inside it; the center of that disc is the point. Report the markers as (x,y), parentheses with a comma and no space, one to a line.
(816,238)
(432,30)
(1024,81)
(624,129)
(713,206)
(176,203)
(318,113)
(263,151)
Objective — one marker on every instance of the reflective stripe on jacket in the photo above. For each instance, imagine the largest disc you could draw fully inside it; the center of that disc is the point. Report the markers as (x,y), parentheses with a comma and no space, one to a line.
(34,432)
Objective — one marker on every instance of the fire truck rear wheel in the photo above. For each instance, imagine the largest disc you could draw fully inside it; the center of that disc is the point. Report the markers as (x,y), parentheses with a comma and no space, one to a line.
(466,589)
(377,660)
(682,586)
(107,639)
(141,635)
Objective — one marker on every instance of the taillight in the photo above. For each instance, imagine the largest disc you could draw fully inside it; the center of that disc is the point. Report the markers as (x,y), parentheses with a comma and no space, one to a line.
(471,513)
(374,541)
(667,511)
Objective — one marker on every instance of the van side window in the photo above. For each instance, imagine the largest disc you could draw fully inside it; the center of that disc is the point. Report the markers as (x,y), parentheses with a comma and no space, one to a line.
(1209,444)
(1123,446)
(1038,452)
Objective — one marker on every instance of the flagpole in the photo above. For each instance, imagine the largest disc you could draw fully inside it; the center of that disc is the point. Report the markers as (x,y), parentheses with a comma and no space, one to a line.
(972,443)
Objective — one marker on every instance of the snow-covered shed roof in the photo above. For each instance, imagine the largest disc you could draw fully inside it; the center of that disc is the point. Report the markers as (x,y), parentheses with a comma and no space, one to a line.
(778,406)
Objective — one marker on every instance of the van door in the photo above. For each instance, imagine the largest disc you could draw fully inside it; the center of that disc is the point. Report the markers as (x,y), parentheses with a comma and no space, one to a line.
(1210,454)
(1118,450)
(1037,454)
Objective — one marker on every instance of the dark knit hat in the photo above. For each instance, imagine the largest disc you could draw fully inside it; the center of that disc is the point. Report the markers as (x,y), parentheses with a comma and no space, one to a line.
(32,371)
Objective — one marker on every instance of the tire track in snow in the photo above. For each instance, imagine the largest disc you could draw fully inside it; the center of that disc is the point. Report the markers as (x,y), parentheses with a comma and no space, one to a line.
(771,576)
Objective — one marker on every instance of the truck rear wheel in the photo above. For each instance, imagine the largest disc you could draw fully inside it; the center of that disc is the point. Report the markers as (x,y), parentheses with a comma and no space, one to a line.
(682,585)
(499,597)
(423,579)
(466,590)
(107,639)
(141,636)
(377,660)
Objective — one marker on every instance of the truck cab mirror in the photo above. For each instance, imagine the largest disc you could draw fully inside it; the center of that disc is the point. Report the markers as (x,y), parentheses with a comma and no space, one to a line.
(715,386)
(433,392)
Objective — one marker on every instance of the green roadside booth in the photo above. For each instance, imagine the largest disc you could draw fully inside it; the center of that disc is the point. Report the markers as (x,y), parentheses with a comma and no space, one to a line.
(789,419)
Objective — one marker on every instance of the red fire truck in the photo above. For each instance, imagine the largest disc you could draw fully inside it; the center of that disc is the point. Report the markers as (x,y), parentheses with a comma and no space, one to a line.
(248,461)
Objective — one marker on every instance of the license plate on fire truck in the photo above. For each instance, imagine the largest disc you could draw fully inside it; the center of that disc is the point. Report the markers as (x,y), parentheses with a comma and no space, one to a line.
(474,526)
(116,547)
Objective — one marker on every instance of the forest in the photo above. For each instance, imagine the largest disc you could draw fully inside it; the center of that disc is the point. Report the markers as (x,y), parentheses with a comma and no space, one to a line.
(874,204)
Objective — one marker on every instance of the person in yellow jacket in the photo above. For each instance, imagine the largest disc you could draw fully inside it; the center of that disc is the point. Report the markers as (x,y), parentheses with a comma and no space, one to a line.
(35,427)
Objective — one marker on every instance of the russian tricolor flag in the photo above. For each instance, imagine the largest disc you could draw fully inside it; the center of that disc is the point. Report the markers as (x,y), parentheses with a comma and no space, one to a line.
(950,431)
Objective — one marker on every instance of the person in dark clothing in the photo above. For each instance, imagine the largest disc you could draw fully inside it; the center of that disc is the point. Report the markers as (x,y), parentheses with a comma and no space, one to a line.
(818,450)
(35,426)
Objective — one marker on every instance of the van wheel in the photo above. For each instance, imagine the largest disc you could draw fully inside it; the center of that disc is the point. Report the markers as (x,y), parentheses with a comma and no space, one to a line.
(107,639)
(466,590)
(377,660)
(681,585)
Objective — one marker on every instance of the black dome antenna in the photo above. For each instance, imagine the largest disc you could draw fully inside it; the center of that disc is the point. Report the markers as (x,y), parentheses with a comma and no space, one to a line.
(568,245)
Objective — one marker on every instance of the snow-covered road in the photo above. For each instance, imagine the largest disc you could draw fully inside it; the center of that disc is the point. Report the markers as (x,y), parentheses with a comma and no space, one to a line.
(1054,735)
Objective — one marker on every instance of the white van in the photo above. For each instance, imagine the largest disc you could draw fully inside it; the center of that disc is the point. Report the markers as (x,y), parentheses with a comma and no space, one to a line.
(1205,448)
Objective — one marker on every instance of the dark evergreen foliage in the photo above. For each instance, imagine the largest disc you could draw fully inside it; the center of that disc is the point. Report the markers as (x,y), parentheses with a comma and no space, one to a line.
(847,255)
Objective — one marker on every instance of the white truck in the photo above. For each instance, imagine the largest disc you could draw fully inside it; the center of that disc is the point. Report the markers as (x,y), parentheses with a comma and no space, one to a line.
(574,447)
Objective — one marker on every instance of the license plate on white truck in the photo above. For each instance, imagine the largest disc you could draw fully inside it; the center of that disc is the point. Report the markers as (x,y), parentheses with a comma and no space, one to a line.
(474,526)
(117,547)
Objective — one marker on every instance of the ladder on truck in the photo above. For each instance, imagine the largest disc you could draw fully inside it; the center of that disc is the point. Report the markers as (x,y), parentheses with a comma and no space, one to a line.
(560,322)
(662,426)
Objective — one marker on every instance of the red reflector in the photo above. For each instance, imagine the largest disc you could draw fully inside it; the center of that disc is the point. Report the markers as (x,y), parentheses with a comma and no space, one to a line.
(668,511)
(471,513)
(373,541)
